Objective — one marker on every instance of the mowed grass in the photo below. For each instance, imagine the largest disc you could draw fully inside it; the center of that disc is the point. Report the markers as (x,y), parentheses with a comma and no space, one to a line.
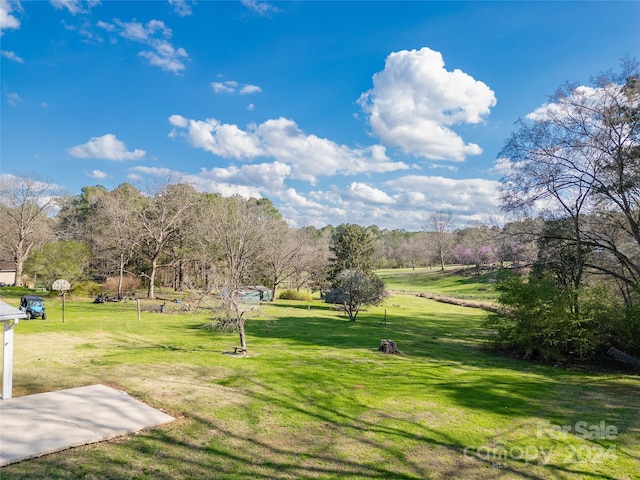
(315,399)
(456,281)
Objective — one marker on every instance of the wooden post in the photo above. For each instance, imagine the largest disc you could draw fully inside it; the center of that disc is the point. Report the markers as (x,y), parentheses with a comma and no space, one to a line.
(138,303)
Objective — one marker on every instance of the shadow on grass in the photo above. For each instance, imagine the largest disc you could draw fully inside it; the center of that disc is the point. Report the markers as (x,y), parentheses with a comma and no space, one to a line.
(454,342)
(348,444)
(422,335)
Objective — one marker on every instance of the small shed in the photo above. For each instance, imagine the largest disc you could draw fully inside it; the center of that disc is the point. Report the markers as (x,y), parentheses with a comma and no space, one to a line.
(9,316)
(7,272)
(255,294)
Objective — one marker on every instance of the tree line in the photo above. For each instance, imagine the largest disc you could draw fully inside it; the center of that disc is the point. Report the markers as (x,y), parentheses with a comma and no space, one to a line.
(180,238)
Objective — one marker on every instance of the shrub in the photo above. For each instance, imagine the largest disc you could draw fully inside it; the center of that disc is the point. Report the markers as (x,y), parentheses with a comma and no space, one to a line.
(295,295)
(355,289)
(559,322)
(130,283)
(627,328)
(86,288)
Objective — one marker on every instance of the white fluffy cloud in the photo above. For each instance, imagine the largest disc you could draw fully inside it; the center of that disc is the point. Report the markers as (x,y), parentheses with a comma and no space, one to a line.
(250,89)
(369,194)
(415,101)
(7,18)
(74,6)
(261,8)
(582,97)
(502,166)
(11,56)
(167,59)
(106,147)
(230,86)
(459,196)
(181,7)
(13,99)
(308,155)
(406,202)
(312,156)
(224,87)
(97,174)
(247,180)
(154,34)
(224,140)
(257,181)
(265,177)
(215,180)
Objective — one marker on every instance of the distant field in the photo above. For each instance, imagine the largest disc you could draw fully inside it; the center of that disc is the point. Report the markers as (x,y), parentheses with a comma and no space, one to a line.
(454,281)
(315,399)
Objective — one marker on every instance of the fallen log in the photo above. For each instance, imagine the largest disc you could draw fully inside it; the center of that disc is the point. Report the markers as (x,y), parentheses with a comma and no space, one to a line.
(622,357)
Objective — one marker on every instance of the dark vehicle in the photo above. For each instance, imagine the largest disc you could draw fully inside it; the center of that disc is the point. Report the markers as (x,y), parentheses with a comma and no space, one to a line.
(33,306)
(102,298)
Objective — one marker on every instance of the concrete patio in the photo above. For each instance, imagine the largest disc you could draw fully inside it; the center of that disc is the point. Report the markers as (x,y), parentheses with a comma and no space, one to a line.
(44,423)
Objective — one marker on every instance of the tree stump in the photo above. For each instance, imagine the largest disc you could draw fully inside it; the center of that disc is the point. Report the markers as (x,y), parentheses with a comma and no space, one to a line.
(388,346)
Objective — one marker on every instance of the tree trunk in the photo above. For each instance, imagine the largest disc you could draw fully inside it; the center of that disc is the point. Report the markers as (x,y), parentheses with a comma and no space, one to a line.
(151,293)
(18,277)
(351,311)
(120,275)
(243,339)
(19,257)
(178,279)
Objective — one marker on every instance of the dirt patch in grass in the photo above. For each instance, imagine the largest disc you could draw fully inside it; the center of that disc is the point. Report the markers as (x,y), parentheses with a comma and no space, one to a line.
(175,384)
(50,346)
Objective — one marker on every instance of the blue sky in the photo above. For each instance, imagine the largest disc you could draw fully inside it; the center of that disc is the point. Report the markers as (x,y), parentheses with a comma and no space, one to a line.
(361,112)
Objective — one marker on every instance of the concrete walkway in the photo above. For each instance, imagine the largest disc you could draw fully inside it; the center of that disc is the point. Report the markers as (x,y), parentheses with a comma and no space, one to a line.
(36,425)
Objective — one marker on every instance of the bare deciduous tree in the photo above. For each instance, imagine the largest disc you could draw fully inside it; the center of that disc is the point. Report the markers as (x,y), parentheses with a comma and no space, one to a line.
(312,263)
(578,158)
(161,220)
(119,233)
(233,232)
(439,226)
(285,248)
(25,203)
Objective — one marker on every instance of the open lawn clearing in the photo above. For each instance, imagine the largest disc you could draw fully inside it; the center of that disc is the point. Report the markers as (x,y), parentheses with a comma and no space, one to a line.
(314,398)
(455,281)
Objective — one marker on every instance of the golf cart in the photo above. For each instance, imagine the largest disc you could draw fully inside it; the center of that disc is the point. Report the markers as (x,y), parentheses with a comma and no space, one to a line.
(33,306)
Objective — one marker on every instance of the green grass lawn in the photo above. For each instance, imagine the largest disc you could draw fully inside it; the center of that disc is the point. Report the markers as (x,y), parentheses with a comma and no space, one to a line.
(454,281)
(314,398)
